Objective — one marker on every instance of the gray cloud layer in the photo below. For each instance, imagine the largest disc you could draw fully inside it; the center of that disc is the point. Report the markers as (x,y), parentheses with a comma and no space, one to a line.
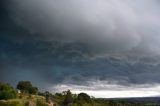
(73,41)
(122,28)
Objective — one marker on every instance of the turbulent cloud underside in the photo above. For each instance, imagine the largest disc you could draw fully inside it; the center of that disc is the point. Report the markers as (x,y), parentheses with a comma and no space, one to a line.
(74,43)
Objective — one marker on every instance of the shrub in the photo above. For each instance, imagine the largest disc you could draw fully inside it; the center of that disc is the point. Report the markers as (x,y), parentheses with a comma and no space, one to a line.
(41,103)
(7,92)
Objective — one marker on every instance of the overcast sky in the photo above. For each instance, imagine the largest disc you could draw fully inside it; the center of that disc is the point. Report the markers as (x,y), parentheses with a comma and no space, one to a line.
(107,48)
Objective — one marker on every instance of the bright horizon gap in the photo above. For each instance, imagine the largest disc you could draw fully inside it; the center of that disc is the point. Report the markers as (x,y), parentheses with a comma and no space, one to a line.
(119,94)
(113,91)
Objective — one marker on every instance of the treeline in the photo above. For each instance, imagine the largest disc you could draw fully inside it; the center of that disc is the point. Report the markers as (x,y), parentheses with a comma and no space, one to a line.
(66,98)
(25,94)
(25,91)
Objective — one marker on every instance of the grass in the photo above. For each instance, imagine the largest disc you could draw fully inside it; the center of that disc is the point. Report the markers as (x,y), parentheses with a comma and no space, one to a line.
(24,100)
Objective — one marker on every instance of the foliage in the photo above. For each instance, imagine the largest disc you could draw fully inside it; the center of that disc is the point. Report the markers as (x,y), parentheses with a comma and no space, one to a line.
(10,103)
(68,98)
(27,87)
(7,92)
(41,103)
(84,98)
(47,95)
(33,90)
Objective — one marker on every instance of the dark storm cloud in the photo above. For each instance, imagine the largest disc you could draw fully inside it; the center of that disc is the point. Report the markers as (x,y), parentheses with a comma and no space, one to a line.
(80,41)
(111,28)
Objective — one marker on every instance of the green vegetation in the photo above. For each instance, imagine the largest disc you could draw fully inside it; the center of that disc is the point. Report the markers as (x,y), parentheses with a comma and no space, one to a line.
(27,87)
(7,92)
(10,103)
(29,96)
(68,98)
(41,103)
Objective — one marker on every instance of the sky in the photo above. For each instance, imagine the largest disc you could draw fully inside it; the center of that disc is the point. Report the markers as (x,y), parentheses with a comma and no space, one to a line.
(106,48)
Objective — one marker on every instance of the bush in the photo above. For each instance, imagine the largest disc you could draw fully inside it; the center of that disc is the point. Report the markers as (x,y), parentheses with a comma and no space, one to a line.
(7,92)
(41,103)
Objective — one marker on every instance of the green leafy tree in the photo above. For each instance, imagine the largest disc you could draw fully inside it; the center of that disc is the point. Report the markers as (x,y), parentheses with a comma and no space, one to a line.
(27,87)
(7,92)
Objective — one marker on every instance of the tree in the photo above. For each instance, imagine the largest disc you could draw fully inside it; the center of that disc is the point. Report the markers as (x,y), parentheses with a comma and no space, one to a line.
(26,87)
(84,97)
(33,90)
(7,92)
(68,98)
(47,96)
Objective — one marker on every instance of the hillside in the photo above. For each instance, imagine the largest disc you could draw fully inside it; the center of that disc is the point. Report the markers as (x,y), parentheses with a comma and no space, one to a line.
(25,94)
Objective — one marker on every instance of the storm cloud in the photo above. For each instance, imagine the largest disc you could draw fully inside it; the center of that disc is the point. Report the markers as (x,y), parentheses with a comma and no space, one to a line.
(79,42)
(122,28)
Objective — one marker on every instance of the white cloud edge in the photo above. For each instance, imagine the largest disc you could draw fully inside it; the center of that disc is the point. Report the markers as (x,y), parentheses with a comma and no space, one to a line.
(100,89)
